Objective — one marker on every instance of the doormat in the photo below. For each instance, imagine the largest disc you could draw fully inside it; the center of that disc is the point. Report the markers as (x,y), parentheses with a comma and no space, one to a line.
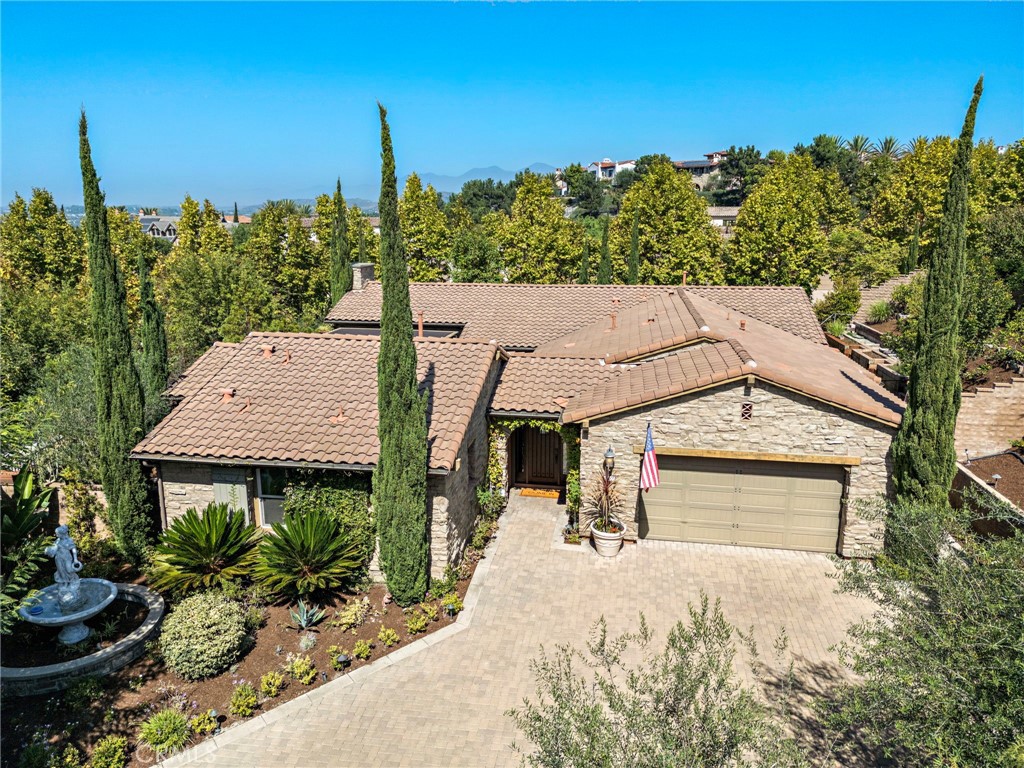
(542,493)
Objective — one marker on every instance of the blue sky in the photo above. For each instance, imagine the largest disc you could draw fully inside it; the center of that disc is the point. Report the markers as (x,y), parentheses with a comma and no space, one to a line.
(247,101)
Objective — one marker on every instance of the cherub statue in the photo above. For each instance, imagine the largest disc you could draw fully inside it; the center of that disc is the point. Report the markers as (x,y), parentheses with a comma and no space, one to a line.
(65,557)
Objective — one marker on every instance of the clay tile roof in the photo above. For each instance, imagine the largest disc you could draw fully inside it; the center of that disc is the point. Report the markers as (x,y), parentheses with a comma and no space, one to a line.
(545,385)
(197,374)
(518,316)
(314,400)
(776,356)
(784,306)
(882,292)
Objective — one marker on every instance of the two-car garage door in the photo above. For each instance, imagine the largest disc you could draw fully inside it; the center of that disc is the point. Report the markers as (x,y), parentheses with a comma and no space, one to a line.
(749,503)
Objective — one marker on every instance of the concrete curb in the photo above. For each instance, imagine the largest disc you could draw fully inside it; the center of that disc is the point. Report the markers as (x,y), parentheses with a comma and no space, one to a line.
(240,731)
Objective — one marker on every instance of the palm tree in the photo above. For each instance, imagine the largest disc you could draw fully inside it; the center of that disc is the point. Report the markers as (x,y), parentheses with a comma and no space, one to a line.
(304,210)
(890,146)
(861,146)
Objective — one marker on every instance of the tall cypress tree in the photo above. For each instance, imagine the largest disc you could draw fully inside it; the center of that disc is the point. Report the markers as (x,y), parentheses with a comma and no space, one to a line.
(604,269)
(341,267)
(912,251)
(923,456)
(119,398)
(584,277)
(153,365)
(400,478)
(634,251)
(235,217)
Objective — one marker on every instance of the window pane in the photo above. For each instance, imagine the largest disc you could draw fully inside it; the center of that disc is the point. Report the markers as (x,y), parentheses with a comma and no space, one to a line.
(273,510)
(272,481)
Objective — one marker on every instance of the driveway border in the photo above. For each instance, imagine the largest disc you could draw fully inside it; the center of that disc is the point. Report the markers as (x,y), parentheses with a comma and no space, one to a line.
(240,731)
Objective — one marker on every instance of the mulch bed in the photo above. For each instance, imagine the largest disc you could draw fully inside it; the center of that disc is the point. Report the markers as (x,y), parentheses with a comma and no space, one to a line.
(889,326)
(977,377)
(146,686)
(1010,468)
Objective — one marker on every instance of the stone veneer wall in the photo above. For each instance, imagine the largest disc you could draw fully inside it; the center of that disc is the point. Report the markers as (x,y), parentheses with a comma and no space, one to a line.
(452,498)
(185,485)
(783,422)
(990,419)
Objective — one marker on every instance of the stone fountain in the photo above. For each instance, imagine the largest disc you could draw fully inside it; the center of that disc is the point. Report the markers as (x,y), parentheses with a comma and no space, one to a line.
(70,600)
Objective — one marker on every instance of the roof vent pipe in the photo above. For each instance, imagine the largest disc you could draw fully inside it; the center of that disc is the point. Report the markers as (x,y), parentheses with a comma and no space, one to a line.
(615,320)
(685,275)
(743,325)
(268,350)
(227,394)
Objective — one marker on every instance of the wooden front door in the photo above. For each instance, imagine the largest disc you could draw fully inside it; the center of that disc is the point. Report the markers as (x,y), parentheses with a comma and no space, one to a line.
(538,457)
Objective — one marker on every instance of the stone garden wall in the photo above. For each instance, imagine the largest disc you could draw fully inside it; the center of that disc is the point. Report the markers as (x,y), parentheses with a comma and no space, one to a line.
(782,422)
(185,485)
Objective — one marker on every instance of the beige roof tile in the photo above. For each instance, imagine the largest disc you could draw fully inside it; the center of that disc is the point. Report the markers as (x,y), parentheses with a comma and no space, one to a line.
(881,292)
(544,385)
(313,398)
(201,370)
(785,306)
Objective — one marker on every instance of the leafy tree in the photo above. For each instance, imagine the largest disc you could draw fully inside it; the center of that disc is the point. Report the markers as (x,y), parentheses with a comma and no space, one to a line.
(341,263)
(737,175)
(842,303)
(870,259)
(682,706)
(254,307)
(778,238)
(538,244)
(585,189)
(1003,240)
(1007,183)
(939,664)
(195,283)
(623,180)
(923,456)
(674,232)
(119,398)
(830,153)
(362,240)
(400,477)
(425,230)
(645,162)
(913,256)
(483,196)
(475,259)
(604,267)
(153,359)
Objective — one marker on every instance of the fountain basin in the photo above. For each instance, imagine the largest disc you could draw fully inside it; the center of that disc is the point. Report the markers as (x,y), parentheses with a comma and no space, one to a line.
(29,681)
(45,609)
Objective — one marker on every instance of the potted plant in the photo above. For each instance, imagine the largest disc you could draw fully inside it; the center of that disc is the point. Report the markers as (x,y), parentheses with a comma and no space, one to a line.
(603,503)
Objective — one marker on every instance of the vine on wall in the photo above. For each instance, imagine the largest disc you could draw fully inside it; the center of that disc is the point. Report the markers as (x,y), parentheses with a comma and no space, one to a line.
(570,434)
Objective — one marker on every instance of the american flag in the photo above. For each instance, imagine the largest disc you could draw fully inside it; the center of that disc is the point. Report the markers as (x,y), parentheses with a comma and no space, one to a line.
(649,470)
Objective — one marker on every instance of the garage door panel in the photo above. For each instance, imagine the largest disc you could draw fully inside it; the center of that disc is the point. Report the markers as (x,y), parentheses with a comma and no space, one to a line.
(748,503)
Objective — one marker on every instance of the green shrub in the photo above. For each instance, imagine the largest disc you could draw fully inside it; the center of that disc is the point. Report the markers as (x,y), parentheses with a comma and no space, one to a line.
(165,732)
(69,758)
(81,694)
(254,619)
(271,684)
(446,585)
(301,668)
(416,622)
(110,752)
(429,611)
(201,551)
(451,604)
(306,554)
(387,636)
(332,654)
(835,327)
(491,502)
(362,649)
(203,635)
(204,723)
(352,615)
(879,312)
(244,700)
(343,496)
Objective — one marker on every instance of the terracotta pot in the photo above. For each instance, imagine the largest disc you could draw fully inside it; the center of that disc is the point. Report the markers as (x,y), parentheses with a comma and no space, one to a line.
(607,544)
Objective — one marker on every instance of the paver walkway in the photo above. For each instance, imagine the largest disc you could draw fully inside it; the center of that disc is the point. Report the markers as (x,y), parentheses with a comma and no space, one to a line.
(445,705)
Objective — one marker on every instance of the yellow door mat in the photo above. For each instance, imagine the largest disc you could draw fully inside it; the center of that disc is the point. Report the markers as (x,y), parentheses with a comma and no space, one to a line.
(543,493)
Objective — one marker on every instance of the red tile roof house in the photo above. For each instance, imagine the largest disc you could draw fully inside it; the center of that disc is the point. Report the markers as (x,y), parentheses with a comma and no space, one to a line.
(765,435)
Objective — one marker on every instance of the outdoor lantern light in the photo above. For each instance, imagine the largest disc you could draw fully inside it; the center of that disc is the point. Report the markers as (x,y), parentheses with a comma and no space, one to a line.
(343,661)
(609,461)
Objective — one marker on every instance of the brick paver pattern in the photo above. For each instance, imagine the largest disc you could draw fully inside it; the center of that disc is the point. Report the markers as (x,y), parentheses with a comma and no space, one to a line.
(446,704)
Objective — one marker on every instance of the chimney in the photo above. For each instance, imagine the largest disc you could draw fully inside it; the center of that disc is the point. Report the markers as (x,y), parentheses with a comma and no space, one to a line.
(362,273)
(743,325)
(268,350)
(685,275)
(227,394)
(419,324)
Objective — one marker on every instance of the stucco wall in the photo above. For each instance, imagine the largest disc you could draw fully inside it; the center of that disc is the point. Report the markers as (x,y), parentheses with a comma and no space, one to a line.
(184,486)
(782,422)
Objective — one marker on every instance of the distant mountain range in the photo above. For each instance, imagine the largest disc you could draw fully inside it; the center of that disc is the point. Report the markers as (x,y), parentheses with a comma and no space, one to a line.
(446,185)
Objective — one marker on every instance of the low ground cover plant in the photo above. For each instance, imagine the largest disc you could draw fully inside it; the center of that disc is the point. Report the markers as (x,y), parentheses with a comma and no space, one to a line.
(165,732)
(244,700)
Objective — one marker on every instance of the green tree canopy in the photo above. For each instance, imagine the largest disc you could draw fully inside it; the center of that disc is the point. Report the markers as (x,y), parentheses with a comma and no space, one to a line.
(425,231)
(674,232)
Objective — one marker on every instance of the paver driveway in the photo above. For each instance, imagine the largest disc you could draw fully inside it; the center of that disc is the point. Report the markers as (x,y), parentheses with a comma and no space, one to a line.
(445,704)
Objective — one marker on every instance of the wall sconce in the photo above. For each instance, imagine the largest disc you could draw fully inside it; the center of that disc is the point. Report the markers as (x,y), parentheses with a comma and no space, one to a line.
(609,461)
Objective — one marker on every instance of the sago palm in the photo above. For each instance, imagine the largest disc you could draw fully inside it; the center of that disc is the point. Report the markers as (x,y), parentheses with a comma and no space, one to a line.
(308,553)
(202,551)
